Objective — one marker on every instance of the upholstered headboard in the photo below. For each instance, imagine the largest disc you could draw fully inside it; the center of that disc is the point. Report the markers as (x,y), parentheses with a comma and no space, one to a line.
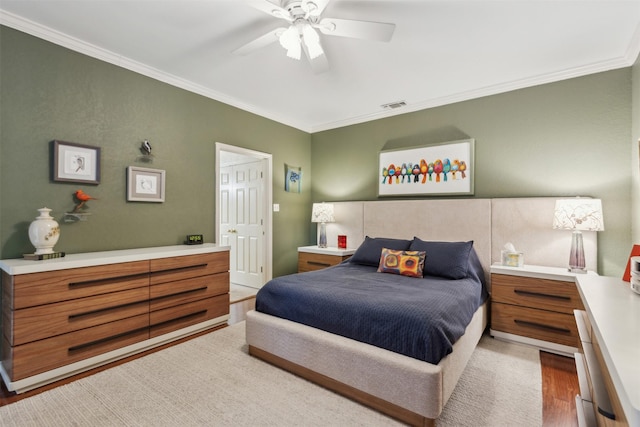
(490,223)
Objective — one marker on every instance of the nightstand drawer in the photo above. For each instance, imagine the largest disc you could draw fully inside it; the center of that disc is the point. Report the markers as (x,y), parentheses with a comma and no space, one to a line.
(532,292)
(311,262)
(543,325)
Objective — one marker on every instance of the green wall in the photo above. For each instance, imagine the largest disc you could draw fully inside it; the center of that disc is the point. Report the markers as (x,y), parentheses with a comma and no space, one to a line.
(561,139)
(49,92)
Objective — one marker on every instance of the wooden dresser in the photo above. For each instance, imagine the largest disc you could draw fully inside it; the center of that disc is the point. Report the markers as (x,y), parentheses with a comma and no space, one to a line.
(534,305)
(67,315)
(312,258)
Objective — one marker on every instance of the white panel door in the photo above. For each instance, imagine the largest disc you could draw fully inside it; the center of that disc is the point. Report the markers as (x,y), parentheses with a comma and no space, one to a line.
(241,221)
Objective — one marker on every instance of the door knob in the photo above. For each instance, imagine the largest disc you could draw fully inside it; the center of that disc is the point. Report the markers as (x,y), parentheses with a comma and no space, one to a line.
(233,230)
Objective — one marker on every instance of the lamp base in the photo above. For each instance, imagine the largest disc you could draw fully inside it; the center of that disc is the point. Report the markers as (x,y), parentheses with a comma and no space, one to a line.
(322,240)
(576,256)
(577,270)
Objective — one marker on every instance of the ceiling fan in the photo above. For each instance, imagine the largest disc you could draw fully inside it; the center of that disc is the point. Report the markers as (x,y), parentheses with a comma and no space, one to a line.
(304,18)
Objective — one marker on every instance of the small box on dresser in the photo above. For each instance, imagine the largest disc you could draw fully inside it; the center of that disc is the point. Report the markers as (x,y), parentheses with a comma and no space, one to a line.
(534,305)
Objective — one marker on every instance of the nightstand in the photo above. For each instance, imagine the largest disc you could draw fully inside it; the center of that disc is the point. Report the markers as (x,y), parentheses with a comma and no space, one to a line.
(534,305)
(312,258)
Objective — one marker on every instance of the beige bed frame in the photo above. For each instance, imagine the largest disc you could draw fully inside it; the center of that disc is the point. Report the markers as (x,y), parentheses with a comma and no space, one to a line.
(410,390)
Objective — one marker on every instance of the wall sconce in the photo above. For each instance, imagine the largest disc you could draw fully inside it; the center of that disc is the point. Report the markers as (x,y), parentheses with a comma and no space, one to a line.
(578,214)
(322,213)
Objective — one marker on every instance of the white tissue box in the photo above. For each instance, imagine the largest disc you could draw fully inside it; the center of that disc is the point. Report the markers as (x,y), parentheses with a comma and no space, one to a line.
(512,259)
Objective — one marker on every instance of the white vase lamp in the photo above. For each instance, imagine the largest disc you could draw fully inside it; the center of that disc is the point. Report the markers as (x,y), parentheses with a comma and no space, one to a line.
(44,232)
(322,213)
(578,214)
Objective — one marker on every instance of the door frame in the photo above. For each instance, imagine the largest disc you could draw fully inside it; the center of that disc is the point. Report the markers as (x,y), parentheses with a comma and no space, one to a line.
(267,214)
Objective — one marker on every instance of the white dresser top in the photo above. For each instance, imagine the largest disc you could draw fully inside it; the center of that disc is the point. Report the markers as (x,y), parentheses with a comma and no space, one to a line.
(89,259)
(614,312)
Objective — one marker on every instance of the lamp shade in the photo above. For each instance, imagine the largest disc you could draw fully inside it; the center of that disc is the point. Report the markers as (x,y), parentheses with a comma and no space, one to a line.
(578,214)
(322,212)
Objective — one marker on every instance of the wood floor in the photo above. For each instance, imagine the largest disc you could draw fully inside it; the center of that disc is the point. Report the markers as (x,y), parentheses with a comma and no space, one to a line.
(559,381)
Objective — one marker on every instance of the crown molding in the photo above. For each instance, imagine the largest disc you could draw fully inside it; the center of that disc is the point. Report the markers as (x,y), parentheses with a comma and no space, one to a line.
(48,34)
(16,22)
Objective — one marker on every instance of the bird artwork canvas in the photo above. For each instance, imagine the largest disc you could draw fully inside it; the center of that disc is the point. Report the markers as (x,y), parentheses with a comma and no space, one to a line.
(437,169)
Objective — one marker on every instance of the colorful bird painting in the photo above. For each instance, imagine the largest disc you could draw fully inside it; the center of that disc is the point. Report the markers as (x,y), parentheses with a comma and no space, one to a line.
(426,169)
(82,198)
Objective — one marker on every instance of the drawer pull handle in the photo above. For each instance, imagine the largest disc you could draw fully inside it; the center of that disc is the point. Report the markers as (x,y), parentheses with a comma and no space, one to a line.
(539,294)
(542,326)
(105,340)
(185,292)
(106,281)
(187,267)
(195,314)
(104,310)
(323,264)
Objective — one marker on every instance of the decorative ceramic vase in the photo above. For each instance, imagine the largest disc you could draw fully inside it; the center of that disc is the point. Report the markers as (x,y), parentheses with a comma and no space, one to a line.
(44,232)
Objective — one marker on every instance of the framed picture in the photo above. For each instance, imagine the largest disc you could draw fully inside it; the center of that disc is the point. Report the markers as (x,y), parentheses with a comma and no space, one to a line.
(292,178)
(76,163)
(431,170)
(145,185)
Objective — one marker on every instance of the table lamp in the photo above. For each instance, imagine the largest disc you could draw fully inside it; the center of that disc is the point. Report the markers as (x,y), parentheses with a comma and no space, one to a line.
(322,213)
(578,214)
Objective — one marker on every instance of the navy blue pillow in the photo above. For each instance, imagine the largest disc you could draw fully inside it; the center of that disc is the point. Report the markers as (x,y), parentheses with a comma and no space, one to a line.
(370,250)
(444,259)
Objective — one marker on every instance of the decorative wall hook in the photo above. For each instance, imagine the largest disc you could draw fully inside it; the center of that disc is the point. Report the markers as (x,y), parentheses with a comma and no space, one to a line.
(145,149)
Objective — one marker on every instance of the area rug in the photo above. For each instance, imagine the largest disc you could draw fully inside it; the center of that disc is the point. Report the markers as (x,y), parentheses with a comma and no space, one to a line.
(212,381)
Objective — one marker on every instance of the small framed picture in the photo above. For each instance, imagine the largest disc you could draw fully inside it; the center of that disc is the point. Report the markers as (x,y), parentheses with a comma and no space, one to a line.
(76,163)
(145,185)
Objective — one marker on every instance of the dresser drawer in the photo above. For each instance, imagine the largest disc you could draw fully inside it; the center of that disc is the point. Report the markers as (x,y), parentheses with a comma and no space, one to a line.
(34,323)
(29,290)
(185,267)
(180,316)
(166,295)
(43,355)
(544,325)
(545,294)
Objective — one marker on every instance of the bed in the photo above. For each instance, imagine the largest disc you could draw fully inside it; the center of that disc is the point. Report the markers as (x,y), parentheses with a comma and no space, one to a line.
(412,390)
(405,387)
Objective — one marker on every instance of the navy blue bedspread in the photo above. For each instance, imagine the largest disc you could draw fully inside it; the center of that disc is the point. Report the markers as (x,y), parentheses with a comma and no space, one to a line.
(419,318)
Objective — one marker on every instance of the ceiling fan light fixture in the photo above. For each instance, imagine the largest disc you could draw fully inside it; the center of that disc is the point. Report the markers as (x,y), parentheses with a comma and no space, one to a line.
(290,40)
(311,41)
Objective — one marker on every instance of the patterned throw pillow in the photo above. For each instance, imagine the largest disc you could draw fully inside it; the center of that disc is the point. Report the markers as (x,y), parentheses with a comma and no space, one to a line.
(405,263)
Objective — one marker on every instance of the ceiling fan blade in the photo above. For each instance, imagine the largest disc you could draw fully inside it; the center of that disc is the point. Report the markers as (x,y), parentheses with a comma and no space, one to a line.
(262,41)
(272,9)
(379,31)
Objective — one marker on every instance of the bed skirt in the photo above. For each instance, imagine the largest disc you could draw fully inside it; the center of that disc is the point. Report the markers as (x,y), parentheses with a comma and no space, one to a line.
(403,387)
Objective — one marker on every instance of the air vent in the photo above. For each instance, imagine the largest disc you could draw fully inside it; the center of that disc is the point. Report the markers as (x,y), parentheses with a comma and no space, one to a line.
(394,105)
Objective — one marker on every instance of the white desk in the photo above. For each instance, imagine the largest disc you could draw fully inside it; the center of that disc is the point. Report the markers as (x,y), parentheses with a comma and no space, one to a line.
(613,310)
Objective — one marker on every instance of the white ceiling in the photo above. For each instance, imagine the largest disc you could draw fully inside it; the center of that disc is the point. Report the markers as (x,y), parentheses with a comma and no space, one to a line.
(441,52)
